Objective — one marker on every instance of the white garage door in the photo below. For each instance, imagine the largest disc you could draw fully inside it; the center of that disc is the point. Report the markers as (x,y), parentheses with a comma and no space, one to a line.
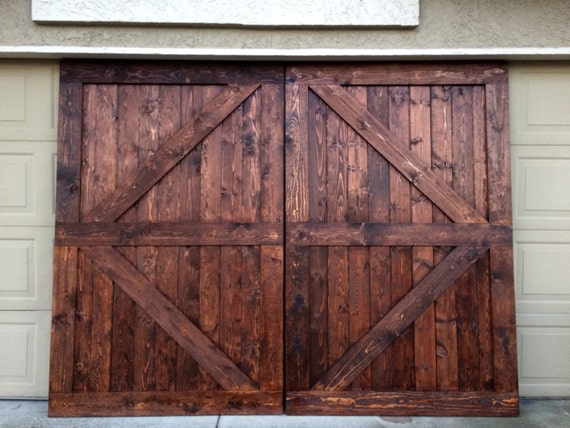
(28,133)
(540,136)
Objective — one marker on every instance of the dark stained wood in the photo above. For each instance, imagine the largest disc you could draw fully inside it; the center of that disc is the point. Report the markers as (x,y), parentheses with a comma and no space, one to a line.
(482,277)
(297,258)
(379,211)
(271,361)
(390,147)
(425,173)
(170,153)
(175,323)
(445,311)
(210,179)
(169,234)
(233,235)
(65,259)
(94,301)
(402,403)
(398,319)
(468,351)
(397,74)
(149,315)
(167,72)
(167,403)
(501,258)
(401,266)
(422,256)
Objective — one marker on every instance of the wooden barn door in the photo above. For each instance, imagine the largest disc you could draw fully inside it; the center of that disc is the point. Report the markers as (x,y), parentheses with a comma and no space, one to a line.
(169,241)
(201,207)
(399,283)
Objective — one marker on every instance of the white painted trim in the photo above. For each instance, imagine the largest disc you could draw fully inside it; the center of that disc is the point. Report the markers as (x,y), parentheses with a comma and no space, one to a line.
(285,54)
(250,13)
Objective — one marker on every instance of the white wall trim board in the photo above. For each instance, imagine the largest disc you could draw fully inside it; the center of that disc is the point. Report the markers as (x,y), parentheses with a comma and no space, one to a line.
(251,13)
(285,54)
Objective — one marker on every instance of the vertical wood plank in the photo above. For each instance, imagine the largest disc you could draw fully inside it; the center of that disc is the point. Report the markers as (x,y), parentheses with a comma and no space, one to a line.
(65,265)
(463,183)
(482,277)
(338,280)
(501,259)
(93,335)
(147,211)
(424,326)
(296,258)
(445,309)
(169,206)
(401,257)
(188,294)
(234,199)
(210,211)
(357,212)
(271,362)
(124,309)
(318,279)
(379,211)
(251,212)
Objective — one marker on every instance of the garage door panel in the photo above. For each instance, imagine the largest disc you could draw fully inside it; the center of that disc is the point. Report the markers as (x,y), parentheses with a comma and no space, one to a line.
(544,350)
(542,260)
(26,268)
(540,104)
(23,368)
(28,106)
(27,183)
(541,176)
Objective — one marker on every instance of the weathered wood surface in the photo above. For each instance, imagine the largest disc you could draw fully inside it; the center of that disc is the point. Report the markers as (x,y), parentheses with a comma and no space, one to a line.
(165,403)
(402,403)
(169,234)
(383,223)
(181,170)
(204,208)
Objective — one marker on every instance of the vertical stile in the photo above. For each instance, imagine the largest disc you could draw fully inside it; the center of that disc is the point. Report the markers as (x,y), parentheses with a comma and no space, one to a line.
(423,259)
(297,261)
(482,279)
(401,257)
(357,212)
(501,258)
(271,257)
(211,288)
(445,309)
(66,258)
(318,278)
(379,211)
(463,183)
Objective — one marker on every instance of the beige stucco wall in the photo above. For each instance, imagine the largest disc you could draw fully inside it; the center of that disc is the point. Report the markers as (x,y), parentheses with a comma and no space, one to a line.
(449,28)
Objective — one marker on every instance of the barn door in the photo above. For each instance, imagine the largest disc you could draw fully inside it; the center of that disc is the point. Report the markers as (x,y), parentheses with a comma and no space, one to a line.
(399,287)
(169,241)
(174,190)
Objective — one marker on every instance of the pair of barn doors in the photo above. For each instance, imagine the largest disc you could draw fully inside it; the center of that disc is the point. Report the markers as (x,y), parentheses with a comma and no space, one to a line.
(314,239)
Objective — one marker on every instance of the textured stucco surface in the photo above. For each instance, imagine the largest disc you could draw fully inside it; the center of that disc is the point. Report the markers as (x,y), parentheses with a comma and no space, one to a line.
(444,24)
(223,12)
